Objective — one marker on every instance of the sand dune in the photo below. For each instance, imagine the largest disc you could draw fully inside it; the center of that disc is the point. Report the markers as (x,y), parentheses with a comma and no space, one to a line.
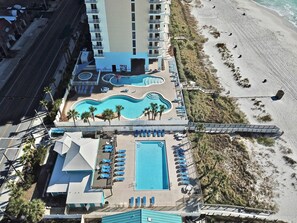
(267,45)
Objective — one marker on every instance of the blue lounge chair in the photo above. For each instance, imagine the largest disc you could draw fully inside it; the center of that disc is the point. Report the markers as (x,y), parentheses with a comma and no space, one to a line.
(119,168)
(152,201)
(159,133)
(179,160)
(141,133)
(105,167)
(144,201)
(107,150)
(155,133)
(121,155)
(119,173)
(121,151)
(183,169)
(106,161)
(182,165)
(162,132)
(120,163)
(104,176)
(105,170)
(138,202)
(108,147)
(149,133)
(131,202)
(145,133)
(184,182)
(120,159)
(183,178)
(183,174)
(119,179)
(136,133)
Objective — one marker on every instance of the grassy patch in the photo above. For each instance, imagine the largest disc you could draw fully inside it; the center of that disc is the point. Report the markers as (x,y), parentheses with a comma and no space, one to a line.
(269,142)
(264,118)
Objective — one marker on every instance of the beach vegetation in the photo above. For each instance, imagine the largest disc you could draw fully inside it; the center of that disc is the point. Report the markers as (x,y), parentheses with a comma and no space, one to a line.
(108,115)
(226,173)
(266,141)
(264,118)
(289,161)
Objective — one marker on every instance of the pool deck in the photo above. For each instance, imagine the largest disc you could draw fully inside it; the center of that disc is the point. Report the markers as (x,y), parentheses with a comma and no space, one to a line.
(167,89)
(123,191)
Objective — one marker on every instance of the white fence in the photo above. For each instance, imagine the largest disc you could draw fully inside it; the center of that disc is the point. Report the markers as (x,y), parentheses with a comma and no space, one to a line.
(124,126)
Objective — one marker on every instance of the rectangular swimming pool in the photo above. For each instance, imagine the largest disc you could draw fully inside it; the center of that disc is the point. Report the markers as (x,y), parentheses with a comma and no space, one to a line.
(151,166)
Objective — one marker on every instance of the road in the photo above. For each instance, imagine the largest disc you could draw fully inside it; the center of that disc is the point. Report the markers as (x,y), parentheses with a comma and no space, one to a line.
(24,89)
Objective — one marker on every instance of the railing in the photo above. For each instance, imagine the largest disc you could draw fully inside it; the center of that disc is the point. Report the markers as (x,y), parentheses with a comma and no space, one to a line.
(154,47)
(98,47)
(157,1)
(155,20)
(155,39)
(95,21)
(91,1)
(96,38)
(155,30)
(156,12)
(95,30)
(92,10)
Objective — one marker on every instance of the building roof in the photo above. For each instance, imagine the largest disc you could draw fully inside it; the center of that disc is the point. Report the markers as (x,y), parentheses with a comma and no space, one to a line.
(142,216)
(81,155)
(77,193)
(60,179)
(62,145)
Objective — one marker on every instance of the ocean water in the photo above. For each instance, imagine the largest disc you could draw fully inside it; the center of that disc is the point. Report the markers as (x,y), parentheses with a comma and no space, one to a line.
(285,8)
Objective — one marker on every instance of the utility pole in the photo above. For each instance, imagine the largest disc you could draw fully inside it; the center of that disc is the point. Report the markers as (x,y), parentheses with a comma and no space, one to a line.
(11,162)
(41,121)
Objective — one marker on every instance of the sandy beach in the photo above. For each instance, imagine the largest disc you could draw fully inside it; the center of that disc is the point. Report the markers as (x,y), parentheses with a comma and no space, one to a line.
(267,44)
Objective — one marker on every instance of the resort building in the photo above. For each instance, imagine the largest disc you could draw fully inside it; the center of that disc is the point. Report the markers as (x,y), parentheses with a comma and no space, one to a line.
(74,170)
(143,216)
(129,35)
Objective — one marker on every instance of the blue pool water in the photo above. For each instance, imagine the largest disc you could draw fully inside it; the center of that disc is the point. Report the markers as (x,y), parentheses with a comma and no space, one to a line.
(151,166)
(286,8)
(133,108)
(136,80)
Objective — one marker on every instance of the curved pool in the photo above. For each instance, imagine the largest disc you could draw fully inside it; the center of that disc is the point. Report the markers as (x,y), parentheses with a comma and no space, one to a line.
(135,80)
(133,108)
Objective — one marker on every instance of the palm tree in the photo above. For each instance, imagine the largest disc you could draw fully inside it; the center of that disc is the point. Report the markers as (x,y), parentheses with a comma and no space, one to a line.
(44,104)
(48,90)
(34,211)
(57,104)
(162,108)
(92,109)
(147,112)
(31,142)
(154,110)
(72,113)
(108,115)
(85,117)
(119,108)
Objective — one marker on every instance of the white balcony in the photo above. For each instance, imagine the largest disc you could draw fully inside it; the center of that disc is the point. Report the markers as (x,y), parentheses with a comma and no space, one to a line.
(156,12)
(155,20)
(94,21)
(96,39)
(91,11)
(91,1)
(97,47)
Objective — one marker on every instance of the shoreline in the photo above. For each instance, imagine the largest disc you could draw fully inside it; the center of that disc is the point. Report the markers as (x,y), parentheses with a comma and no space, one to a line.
(266,42)
(276,13)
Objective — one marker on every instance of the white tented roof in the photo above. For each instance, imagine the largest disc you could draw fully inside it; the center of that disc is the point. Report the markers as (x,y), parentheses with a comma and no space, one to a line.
(62,145)
(81,155)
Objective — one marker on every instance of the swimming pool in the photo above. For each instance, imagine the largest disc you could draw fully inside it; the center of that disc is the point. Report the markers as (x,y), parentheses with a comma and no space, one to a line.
(135,80)
(133,108)
(151,166)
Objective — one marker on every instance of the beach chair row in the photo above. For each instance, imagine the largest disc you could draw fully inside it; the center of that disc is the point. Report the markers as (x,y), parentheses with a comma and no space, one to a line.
(149,133)
(181,166)
(140,202)
(108,148)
